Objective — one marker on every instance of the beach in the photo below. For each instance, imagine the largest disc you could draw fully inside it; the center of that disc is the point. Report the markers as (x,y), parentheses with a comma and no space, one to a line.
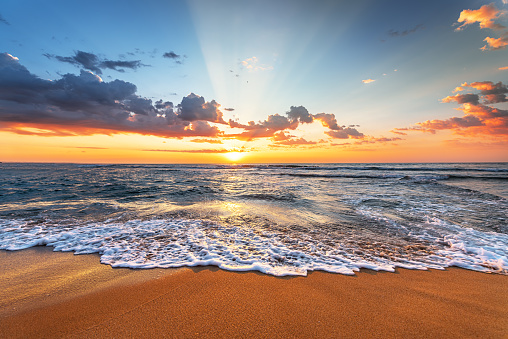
(53,294)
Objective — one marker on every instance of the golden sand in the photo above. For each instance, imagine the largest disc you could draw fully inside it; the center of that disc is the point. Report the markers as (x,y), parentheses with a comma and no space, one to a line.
(46,294)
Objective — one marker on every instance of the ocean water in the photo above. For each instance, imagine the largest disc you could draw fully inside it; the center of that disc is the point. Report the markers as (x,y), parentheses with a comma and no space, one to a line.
(277,219)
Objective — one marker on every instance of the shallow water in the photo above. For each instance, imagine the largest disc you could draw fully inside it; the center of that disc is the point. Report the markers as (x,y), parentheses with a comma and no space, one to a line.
(277,219)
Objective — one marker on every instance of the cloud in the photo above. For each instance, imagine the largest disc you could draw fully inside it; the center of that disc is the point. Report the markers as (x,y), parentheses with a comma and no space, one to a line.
(491,93)
(213,151)
(479,117)
(373,140)
(95,64)
(485,16)
(296,142)
(494,44)
(253,65)
(345,133)
(462,98)
(208,141)
(327,120)
(2,20)
(299,113)
(193,107)
(394,33)
(173,56)
(85,104)
(368,81)
(503,68)
(274,123)
(229,109)
(283,138)
(452,123)
(336,131)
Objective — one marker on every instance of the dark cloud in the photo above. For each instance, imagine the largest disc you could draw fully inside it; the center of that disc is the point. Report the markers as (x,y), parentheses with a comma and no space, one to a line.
(274,124)
(327,120)
(299,113)
(394,33)
(194,107)
(2,20)
(336,131)
(85,104)
(492,92)
(95,64)
(173,56)
(160,104)
(452,123)
(119,65)
(345,133)
(463,98)
(229,109)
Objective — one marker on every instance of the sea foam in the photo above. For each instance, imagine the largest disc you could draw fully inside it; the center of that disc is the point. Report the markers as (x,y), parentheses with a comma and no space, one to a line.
(165,243)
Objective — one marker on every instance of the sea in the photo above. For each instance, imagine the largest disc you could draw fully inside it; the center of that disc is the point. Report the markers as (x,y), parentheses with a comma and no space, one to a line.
(279,219)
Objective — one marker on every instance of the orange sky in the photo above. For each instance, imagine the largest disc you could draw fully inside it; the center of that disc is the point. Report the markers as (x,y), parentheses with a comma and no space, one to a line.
(132,148)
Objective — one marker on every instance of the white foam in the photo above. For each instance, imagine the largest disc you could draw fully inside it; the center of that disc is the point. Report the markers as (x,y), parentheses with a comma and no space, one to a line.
(176,243)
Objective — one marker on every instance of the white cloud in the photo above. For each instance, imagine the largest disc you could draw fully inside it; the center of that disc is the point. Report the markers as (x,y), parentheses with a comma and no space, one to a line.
(253,65)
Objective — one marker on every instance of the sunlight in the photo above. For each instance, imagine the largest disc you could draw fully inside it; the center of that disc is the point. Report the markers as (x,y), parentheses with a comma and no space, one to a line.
(234,156)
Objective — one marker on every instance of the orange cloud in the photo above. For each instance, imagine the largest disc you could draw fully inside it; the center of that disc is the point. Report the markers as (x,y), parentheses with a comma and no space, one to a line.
(462,98)
(485,16)
(191,150)
(503,68)
(495,44)
(478,119)
(209,141)
(368,81)
(296,142)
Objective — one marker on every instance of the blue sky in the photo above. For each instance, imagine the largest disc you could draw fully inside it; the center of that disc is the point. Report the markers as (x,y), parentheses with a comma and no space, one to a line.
(259,58)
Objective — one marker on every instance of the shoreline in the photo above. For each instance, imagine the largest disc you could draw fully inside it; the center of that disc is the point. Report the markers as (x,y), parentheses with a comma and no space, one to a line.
(48,294)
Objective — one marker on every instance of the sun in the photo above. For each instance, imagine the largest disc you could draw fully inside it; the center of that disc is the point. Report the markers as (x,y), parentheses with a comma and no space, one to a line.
(234,156)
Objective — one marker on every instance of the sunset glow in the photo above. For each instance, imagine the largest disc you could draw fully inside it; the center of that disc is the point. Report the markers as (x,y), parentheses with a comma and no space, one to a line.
(234,156)
(360,82)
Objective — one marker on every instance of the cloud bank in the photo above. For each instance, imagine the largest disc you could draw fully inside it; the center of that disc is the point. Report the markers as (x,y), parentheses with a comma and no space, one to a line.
(84,104)
(481,117)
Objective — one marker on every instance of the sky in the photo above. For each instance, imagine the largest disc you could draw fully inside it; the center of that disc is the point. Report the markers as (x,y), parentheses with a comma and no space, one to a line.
(232,81)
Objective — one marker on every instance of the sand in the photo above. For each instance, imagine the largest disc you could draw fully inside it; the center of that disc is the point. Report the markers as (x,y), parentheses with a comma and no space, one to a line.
(45,294)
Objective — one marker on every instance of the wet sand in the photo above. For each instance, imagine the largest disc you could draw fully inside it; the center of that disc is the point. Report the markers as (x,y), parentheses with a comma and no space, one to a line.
(45,294)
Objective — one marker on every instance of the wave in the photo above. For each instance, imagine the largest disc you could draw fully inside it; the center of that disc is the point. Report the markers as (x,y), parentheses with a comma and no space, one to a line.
(317,167)
(166,243)
(422,177)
